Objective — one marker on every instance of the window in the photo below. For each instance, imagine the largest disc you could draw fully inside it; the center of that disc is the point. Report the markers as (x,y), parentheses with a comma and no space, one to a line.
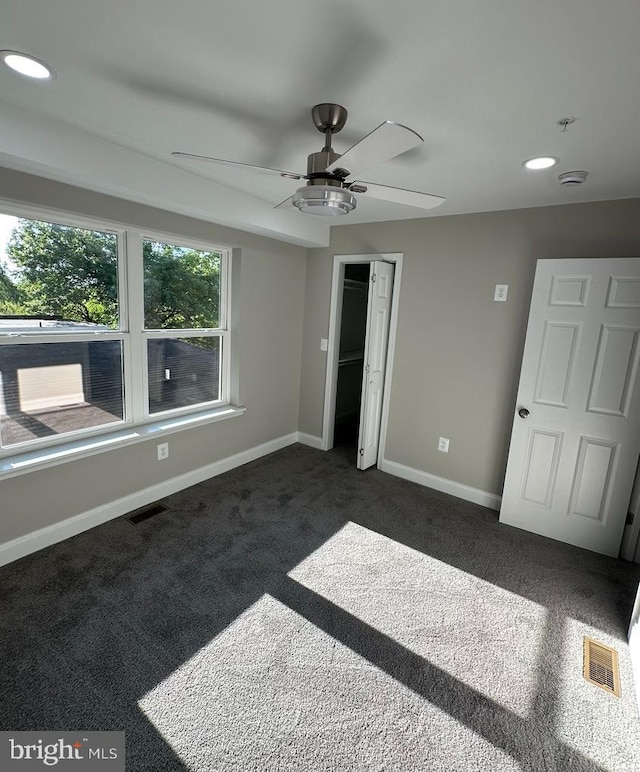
(91,341)
(182,318)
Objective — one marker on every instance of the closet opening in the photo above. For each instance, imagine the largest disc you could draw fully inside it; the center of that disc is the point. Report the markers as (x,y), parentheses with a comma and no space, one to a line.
(353,328)
(362,323)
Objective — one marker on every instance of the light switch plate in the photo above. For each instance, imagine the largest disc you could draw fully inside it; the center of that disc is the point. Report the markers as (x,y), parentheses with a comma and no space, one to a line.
(324,344)
(443,445)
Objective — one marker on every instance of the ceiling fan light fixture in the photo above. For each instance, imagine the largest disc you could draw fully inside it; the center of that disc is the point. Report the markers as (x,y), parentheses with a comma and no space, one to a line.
(540,162)
(26,65)
(324,200)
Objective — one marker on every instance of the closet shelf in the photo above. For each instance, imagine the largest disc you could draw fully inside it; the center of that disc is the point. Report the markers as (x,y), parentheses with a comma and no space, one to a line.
(354,284)
(348,357)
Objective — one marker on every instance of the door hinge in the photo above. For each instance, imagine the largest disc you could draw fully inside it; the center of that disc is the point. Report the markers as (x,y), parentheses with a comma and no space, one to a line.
(361,451)
(373,277)
(630,518)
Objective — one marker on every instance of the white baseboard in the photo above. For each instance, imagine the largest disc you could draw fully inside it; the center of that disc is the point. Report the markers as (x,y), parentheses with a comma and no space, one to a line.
(466,492)
(45,537)
(311,440)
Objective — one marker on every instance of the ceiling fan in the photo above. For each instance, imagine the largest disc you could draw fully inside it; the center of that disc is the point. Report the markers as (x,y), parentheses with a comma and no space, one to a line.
(332,179)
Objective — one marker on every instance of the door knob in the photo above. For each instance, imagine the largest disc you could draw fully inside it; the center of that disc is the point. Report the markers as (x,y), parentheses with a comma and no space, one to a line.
(523,412)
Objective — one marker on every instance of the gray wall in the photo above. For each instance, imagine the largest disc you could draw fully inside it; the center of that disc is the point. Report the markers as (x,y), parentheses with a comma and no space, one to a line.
(269,307)
(458,352)
(457,355)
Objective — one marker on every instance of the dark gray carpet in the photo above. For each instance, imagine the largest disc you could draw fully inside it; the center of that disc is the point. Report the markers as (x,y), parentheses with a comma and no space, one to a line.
(297,614)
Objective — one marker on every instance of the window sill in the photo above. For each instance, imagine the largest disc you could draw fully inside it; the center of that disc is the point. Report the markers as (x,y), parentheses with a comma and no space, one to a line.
(11,466)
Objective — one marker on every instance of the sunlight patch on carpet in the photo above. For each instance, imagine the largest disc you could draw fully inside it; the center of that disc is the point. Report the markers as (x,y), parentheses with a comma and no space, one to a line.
(453,619)
(274,686)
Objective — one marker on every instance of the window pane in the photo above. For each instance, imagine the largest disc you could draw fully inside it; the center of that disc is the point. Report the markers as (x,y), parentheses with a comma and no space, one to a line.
(55,276)
(181,287)
(183,372)
(49,389)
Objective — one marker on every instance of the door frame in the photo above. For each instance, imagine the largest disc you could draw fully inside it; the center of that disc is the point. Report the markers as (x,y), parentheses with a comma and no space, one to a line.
(333,346)
(630,549)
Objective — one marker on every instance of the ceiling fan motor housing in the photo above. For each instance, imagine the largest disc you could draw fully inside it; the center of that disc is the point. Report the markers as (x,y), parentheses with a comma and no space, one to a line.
(318,162)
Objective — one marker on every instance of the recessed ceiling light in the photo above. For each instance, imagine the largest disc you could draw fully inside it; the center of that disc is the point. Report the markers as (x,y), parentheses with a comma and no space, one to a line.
(26,65)
(540,162)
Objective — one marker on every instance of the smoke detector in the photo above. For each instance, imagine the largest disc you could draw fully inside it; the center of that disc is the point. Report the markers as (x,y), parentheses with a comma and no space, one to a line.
(571,179)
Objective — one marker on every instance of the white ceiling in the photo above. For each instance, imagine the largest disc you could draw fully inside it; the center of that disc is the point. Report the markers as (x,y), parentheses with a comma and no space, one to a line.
(483,82)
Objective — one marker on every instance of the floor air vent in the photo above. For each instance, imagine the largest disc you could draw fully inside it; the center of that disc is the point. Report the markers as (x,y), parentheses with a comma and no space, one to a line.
(145,513)
(601,666)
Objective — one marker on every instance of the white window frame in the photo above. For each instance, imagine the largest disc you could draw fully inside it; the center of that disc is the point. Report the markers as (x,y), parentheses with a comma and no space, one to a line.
(138,423)
(221,332)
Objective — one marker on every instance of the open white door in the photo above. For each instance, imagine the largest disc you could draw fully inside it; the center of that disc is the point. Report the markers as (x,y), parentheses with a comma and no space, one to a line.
(576,432)
(375,359)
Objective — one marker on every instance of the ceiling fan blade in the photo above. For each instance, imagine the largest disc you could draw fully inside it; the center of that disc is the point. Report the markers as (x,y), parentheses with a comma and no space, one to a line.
(265,169)
(385,142)
(283,204)
(398,195)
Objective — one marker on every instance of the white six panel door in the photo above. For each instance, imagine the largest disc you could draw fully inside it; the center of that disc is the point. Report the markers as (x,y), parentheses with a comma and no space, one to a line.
(576,433)
(375,360)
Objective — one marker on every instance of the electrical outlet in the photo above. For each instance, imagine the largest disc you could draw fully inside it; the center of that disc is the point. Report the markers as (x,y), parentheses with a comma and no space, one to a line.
(501,292)
(443,445)
(163,451)
(324,344)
